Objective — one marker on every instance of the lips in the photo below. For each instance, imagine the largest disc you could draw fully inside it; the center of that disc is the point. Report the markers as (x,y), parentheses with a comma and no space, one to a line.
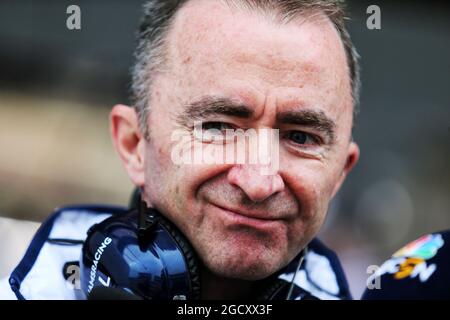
(244,216)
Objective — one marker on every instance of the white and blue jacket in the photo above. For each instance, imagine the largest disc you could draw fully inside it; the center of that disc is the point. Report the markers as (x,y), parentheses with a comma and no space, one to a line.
(45,273)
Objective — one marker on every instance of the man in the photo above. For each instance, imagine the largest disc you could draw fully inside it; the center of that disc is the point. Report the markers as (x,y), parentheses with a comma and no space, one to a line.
(286,66)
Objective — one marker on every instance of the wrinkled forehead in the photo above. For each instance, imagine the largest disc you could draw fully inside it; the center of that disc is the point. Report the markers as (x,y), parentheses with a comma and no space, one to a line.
(213,47)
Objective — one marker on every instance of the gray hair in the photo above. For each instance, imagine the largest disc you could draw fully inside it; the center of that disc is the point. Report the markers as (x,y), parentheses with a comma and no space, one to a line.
(150,54)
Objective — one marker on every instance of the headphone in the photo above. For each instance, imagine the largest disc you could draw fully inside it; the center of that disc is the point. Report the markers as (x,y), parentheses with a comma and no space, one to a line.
(141,255)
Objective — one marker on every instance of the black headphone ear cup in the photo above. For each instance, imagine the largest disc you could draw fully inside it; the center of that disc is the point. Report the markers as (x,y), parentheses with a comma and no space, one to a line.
(188,252)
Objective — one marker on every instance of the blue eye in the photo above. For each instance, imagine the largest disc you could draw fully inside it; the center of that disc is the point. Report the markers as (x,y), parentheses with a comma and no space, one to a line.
(221,126)
(301,138)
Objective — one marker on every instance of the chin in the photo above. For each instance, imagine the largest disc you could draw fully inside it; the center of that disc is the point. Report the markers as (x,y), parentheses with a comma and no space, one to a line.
(247,267)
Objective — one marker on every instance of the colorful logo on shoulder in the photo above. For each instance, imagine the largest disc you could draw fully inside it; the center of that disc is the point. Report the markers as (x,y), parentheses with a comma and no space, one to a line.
(412,258)
(424,248)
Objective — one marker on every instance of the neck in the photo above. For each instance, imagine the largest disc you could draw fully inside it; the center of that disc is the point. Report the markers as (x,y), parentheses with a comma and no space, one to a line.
(219,288)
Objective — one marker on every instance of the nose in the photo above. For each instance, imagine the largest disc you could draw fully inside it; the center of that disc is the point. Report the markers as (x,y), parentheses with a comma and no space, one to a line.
(257,186)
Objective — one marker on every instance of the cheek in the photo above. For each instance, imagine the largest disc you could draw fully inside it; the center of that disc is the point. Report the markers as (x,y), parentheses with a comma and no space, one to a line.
(162,174)
(174,188)
(312,185)
(156,170)
(311,192)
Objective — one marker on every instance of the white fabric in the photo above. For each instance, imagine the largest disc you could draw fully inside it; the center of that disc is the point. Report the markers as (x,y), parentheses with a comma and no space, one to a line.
(320,273)
(15,235)
(45,279)
(5,290)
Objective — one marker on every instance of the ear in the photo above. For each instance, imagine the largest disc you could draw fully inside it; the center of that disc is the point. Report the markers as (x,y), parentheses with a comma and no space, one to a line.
(352,159)
(128,141)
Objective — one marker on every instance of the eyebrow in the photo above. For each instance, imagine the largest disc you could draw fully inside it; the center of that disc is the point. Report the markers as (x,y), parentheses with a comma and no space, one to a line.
(210,105)
(315,119)
(213,105)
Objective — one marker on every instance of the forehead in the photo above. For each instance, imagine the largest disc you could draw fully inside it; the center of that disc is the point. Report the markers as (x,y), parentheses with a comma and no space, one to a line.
(223,50)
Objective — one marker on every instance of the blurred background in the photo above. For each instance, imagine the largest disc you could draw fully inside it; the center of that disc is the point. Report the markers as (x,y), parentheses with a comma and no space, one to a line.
(58,85)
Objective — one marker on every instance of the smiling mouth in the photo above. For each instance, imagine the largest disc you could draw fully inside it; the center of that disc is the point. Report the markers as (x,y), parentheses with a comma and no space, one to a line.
(238,218)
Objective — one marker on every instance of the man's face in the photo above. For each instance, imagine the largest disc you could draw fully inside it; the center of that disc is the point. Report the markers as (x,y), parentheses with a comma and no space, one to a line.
(290,77)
